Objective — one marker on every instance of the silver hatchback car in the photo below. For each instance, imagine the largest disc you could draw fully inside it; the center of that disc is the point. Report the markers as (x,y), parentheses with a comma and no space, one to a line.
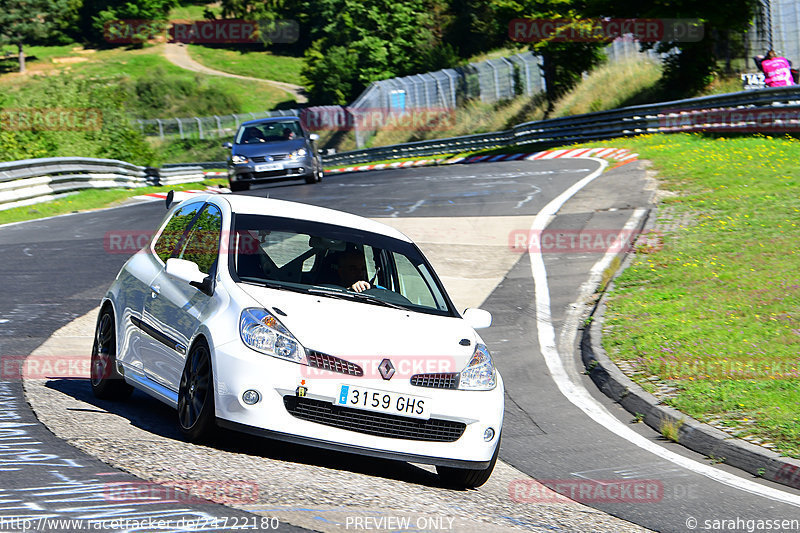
(271,149)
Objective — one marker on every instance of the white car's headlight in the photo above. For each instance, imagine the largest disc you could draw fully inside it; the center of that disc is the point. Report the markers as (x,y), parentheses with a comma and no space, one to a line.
(479,374)
(300,152)
(264,333)
(238,159)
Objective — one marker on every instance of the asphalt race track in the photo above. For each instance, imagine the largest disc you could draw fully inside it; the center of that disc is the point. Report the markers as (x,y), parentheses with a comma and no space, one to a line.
(464,217)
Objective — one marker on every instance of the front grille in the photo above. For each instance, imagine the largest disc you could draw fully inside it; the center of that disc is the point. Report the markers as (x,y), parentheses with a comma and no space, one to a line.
(447,380)
(263,159)
(334,364)
(378,424)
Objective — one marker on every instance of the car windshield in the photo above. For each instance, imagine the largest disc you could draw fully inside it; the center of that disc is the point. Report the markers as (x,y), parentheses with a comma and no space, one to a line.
(269,132)
(325,259)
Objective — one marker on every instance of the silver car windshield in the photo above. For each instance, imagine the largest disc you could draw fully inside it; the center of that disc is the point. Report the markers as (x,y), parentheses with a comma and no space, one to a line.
(269,132)
(331,260)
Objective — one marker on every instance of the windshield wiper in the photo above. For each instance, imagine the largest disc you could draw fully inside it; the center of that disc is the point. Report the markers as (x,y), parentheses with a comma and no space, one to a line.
(273,285)
(347,295)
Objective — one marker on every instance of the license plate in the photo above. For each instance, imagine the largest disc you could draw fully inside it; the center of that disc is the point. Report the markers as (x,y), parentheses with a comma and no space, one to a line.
(269,166)
(384,402)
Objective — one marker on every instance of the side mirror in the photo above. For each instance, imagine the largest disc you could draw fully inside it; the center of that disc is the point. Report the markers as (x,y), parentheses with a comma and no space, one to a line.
(313,137)
(170,197)
(227,145)
(189,272)
(478,318)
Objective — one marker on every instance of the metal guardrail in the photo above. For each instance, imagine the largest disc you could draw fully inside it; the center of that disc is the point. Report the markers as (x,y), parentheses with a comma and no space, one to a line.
(708,113)
(768,110)
(32,181)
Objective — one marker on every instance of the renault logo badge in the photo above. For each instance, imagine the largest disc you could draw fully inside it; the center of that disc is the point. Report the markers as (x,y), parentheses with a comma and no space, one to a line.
(386,368)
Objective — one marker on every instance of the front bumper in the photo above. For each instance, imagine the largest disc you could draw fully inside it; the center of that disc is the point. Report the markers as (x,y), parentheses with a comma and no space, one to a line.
(237,369)
(294,168)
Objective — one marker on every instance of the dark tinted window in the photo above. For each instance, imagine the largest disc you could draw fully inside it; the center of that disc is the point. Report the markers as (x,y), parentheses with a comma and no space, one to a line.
(269,132)
(202,245)
(175,229)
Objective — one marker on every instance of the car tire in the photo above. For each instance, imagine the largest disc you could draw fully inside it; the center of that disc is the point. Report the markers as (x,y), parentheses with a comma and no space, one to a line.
(107,383)
(311,178)
(467,478)
(196,416)
(237,186)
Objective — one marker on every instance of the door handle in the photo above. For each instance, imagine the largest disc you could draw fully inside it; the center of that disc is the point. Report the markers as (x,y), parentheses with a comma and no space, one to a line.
(155,290)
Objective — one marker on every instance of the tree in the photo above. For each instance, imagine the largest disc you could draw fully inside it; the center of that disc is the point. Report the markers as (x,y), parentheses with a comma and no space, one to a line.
(474,26)
(26,21)
(369,40)
(96,14)
(693,64)
(562,62)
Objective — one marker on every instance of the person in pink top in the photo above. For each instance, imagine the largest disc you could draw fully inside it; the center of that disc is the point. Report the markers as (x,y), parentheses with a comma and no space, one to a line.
(777,70)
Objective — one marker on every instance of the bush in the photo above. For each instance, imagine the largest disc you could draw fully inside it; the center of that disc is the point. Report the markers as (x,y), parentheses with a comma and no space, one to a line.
(159,94)
(91,121)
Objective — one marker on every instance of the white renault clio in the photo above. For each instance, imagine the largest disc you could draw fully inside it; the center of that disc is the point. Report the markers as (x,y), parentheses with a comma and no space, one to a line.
(303,324)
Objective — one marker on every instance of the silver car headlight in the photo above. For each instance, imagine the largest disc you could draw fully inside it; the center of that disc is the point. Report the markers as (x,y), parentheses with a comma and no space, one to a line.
(264,333)
(479,374)
(300,152)
(238,159)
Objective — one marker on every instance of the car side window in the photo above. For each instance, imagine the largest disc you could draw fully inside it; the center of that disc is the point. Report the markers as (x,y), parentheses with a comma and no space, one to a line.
(174,230)
(202,245)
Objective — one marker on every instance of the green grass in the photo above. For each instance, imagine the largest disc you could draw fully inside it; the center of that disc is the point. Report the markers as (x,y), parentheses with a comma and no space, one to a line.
(670,430)
(253,96)
(189,150)
(715,311)
(191,12)
(256,64)
(91,199)
(611,85)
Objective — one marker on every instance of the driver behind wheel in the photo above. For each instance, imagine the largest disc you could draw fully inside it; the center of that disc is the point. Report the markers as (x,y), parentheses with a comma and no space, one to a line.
(352,270)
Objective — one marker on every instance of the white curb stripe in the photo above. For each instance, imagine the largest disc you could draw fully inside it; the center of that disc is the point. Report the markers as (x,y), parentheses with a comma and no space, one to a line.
(580,397)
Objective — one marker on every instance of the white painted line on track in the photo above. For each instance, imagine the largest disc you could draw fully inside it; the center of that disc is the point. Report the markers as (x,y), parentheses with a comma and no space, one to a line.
(580,397)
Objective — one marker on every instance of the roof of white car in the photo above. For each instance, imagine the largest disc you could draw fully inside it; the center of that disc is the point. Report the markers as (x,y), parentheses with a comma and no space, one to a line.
(254,205)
